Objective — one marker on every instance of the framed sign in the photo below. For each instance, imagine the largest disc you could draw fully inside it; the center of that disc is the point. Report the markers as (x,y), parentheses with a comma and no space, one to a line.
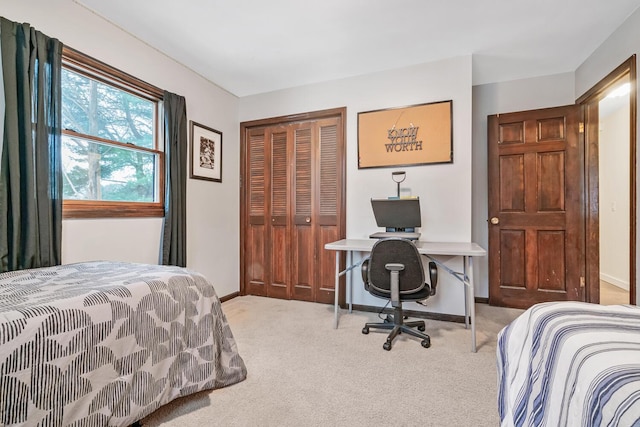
(206,153)
(407,136)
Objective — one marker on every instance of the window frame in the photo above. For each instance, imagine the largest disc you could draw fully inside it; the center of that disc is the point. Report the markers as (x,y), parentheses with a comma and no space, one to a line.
(85,65)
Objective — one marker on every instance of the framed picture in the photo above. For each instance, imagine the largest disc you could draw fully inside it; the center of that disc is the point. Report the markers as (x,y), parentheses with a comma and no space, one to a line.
(206,153)
(406,136)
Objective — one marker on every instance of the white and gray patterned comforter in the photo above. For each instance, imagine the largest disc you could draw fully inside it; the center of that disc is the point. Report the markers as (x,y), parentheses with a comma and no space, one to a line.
(105,343)
(570,364)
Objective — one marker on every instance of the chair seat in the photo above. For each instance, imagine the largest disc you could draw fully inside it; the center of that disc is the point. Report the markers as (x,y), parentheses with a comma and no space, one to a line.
(423,294)
(395,271)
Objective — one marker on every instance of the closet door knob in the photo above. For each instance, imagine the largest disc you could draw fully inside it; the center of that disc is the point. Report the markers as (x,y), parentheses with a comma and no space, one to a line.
(307,220)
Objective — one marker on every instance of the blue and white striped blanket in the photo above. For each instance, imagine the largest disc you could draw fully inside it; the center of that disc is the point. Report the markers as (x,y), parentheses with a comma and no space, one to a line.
(570,364)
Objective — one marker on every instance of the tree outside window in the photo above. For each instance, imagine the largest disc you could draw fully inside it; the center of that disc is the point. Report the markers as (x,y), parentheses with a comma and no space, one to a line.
(112,161)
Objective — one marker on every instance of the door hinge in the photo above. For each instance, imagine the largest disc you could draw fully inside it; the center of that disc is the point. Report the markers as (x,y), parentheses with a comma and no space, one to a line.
(581,127)
(582,282)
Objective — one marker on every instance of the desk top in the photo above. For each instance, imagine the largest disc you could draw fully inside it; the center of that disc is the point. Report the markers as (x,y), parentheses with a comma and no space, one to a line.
(426,248)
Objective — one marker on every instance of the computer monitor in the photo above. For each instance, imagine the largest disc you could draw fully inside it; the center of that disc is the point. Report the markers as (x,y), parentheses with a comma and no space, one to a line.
(397,214)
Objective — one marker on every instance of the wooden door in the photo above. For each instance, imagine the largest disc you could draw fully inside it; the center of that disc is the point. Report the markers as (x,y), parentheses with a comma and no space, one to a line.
(278,229)
(316,208)
(303,250)
(536,214)
(266,267)
(292,205)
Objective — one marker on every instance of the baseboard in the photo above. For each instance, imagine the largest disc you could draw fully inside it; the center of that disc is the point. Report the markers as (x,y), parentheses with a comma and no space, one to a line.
(411,313)
(230,296)
(614,281)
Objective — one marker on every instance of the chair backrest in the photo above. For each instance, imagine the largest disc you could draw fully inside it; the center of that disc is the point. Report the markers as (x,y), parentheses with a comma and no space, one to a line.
(401,251)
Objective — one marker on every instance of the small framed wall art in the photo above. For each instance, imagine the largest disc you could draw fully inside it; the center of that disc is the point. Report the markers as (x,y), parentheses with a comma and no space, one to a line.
(206,153)
(406,136)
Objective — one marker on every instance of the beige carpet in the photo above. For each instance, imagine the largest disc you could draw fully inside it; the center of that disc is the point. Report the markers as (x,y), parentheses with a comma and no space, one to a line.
(302,372)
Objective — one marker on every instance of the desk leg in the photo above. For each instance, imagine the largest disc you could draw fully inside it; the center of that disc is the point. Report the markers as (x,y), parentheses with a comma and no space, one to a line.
(466,291)
(336,291)
(471,300)
(350,282)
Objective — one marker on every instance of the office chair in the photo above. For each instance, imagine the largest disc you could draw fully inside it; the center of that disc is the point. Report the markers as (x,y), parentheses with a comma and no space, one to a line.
(394,271)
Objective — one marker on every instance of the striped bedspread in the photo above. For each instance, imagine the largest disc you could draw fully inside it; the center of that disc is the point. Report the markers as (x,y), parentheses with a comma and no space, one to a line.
(570,364)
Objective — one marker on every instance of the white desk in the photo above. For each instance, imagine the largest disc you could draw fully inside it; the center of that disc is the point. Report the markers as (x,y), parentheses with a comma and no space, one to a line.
(464,249)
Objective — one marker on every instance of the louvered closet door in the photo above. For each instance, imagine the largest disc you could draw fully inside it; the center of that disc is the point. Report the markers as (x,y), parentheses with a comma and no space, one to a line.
(294,200)
(278,226)
(316,208)
(267,260)
(257,175)
(304,221)
(328,204)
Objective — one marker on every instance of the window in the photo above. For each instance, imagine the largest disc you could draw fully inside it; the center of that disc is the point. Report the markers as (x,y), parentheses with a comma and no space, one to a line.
(112,154)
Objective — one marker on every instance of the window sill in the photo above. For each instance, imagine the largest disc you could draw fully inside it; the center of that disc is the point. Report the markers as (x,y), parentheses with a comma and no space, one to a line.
(91,209)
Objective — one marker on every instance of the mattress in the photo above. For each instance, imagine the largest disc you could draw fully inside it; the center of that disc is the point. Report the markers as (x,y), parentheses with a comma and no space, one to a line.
(570,364)
(106,343)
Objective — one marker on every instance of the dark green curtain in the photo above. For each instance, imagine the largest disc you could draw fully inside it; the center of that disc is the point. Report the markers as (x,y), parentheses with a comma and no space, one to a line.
(31,166)
(174,239)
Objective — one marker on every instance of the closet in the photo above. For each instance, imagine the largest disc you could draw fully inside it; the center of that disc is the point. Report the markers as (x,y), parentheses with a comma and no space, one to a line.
(292,203)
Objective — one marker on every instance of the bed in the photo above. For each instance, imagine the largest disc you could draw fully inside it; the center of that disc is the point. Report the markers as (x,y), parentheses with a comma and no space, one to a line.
(107,343)
(570,364)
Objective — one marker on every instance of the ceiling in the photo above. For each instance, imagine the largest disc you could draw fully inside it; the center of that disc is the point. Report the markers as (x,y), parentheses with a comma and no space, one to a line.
(254,46)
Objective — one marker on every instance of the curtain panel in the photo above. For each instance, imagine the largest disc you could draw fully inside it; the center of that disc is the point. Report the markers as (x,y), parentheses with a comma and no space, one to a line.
(174,238)
(1,104)
(30,164)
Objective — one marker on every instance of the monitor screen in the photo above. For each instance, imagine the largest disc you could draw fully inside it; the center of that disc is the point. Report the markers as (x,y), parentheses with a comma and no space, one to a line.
(397,214)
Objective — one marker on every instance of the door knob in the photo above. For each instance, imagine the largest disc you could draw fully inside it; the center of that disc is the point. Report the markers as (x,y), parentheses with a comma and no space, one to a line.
(495,220)
(307,220)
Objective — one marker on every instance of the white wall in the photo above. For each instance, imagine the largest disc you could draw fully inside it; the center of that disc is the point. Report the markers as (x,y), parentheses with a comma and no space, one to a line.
(444,190)
(212,208)
(614,193)
(506,97)
(623,43)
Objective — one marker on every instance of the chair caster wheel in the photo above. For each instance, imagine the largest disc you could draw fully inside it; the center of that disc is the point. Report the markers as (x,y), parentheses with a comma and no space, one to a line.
(387,346)
(426,343)
(365,330)
(421,328)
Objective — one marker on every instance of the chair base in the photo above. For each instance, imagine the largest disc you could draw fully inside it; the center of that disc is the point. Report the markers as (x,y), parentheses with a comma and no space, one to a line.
(399,326)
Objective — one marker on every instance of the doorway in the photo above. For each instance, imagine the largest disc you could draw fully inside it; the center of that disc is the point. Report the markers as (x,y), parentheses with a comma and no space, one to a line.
(610,153)
(523,269)
(615,193)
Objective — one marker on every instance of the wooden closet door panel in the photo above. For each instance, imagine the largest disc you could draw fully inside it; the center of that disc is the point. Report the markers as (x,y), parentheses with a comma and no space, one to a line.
(292,204)
(304,219)
(328,202)
(279,210)
(255,272)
